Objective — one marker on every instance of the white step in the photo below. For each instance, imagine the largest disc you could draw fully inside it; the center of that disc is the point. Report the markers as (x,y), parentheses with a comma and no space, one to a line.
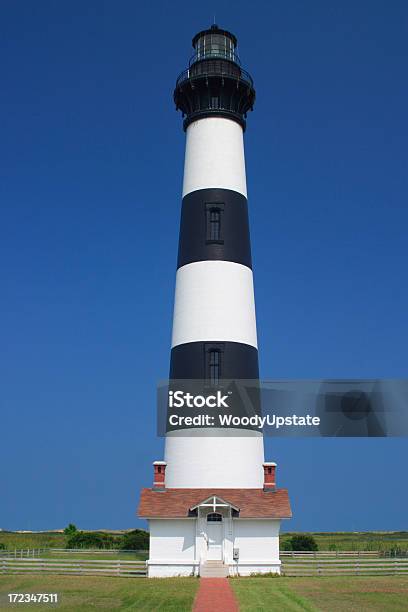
(214,562)
(213,569)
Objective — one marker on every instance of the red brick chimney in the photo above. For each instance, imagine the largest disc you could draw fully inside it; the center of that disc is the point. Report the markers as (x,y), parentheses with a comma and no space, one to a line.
(269,476)
(159,478)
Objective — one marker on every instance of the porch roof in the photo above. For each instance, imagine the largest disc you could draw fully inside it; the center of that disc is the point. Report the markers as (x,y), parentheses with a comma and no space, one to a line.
(214,502)
(178,503)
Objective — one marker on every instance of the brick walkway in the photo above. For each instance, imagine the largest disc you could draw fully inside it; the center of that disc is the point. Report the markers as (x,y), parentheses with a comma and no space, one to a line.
(215,595)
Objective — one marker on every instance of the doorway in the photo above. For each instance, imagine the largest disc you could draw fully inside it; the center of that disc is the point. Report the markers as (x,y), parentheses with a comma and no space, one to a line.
(214,533)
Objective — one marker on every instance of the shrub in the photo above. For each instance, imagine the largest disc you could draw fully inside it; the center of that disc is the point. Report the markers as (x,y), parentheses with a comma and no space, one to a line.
(395,551)
(2,546)
(70,530)
(135,540)
(83,539)
(303,542)
(286,545)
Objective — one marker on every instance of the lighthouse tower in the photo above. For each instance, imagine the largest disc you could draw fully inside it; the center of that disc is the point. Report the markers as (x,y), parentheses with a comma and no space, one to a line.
(214,326)
(213,489)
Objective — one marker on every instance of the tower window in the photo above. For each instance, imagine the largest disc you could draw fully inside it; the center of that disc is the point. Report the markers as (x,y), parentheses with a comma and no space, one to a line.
(213,363)
(214,102)
(214,213)
(215,224)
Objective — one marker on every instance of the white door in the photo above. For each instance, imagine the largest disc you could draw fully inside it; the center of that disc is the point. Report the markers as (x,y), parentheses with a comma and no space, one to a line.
(214,533)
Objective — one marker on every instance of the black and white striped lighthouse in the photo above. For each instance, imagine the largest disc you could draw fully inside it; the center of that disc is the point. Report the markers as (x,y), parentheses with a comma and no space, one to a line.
(214,325)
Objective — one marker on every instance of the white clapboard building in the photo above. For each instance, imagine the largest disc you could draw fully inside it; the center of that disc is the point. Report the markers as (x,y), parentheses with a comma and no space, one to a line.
(214,508)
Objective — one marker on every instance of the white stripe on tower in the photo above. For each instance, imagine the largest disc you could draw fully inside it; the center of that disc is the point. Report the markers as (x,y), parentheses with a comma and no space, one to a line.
(214,299)
(214,156)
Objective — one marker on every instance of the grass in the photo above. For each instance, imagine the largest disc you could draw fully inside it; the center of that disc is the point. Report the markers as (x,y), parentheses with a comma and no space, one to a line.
(83,593)
(14,540)
(366,541)
(334,594)
(23,541)
(106,555)
(113,555)
(372,540)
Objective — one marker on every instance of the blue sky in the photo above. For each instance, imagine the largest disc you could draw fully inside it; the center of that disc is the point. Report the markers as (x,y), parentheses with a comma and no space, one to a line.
(91,159)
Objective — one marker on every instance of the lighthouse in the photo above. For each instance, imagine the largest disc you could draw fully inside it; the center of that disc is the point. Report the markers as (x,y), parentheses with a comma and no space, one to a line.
(214,508)
(214,326)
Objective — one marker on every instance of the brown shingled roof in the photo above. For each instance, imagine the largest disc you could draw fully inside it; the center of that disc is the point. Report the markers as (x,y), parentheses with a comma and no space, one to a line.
(252,503)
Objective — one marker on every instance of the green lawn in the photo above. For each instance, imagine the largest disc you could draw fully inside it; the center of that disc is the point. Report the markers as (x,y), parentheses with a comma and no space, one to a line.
(111,556)
(334,594)
(371,540)
(83,593)
(32,540)
(349,540)
(77,555)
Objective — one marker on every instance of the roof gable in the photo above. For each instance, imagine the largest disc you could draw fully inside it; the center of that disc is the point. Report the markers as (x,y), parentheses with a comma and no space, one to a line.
(214,502)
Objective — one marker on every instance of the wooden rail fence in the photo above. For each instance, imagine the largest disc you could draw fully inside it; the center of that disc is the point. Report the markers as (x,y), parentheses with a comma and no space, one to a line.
(301,566)
(86,567)
(37,552)
(311,554)
(322,563)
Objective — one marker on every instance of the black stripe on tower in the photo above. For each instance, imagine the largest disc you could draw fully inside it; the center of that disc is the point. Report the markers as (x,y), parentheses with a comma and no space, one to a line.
(226,365)
(231,366)
(193,360)
(214,226)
